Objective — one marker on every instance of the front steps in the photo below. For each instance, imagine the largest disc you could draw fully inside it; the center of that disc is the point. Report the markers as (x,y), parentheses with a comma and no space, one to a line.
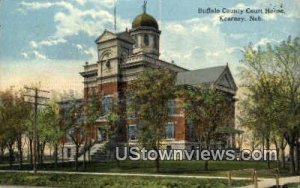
(98,149)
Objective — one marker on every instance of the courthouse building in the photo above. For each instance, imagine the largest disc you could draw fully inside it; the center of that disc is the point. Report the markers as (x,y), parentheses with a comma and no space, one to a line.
(122,56)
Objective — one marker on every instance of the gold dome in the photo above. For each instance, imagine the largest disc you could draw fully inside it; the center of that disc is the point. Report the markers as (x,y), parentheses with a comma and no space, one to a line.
(144,20)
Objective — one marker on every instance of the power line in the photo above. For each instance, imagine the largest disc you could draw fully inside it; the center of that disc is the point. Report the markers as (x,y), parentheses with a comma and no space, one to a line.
(36,103)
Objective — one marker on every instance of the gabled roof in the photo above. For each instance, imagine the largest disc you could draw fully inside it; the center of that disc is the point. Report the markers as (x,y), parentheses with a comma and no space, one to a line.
(125,36)
(200,76)
(108,35)
(219,76)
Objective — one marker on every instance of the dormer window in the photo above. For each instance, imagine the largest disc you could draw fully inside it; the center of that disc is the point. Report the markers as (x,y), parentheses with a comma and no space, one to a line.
(146,40)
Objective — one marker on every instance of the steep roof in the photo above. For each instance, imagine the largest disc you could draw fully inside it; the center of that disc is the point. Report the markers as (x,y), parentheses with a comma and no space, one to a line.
(200,76)
(125,36)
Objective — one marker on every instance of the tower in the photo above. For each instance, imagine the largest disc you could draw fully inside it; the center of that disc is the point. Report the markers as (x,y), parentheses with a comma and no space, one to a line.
(145,32)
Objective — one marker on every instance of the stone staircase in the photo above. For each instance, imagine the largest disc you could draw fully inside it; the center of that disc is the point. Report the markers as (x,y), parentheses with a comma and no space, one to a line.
(97,152)
(69,152)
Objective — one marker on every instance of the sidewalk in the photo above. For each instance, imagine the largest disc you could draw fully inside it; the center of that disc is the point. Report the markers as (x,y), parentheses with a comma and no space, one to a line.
(263,182)
(268,182)
(126,174)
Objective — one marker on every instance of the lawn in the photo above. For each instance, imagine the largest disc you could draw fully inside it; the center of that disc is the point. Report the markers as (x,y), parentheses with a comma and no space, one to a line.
(293,185)
(86,181)
(216,168)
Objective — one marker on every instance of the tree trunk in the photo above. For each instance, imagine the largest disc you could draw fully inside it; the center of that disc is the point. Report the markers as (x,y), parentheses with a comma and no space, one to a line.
(282,151)
(282,158)
(20,150)
(55,155)
(11,154)
(296,159)
(84,159)
(157,164)
(89,152)
(30,149)
(277,153)
(207,143)
(76,157)
(62,154)
(292,159)
(2,153)
(263,146)
(43,144)
(38,147)
(268,153)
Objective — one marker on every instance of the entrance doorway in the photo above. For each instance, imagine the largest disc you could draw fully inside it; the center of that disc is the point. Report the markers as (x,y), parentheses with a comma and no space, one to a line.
(101,136)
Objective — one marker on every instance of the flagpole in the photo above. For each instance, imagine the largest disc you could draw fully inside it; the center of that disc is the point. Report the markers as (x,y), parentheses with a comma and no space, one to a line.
(115,15)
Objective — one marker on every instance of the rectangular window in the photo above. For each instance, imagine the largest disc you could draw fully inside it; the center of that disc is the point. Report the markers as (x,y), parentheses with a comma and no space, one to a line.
(68,152)
(130,108)
(171,107)
(132,132)
(106,105)
(155,41)
(146,40)
(69,133)
(191,129)
(135,38)
(170,130)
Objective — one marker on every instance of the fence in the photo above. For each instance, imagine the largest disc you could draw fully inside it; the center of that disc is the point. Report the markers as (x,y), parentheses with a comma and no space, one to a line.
(254,175)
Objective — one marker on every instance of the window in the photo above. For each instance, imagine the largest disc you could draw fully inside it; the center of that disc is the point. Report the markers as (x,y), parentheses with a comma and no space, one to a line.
(171,107)
(106,105)
(132,132)
(135,38)
(146,40)
(155,41)
(170,130)
(68,136)
(191,129)
(68,152)
(130,111)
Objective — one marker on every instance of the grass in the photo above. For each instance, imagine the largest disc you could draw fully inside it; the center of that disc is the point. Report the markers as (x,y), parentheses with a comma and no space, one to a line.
(293,185)
(86,181)
(216,168)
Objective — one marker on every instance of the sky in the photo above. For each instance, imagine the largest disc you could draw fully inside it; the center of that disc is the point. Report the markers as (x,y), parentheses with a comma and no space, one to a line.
(48,41)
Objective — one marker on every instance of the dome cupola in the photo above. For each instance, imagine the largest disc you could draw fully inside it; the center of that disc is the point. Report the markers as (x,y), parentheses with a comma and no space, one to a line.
(145,33)
(144,20)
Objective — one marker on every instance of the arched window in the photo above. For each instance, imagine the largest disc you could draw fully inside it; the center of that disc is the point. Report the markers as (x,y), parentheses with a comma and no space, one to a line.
(155,41)
(135,38)
(146,40)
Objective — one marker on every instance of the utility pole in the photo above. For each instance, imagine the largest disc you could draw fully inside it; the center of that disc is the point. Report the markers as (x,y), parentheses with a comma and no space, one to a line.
(36,96)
